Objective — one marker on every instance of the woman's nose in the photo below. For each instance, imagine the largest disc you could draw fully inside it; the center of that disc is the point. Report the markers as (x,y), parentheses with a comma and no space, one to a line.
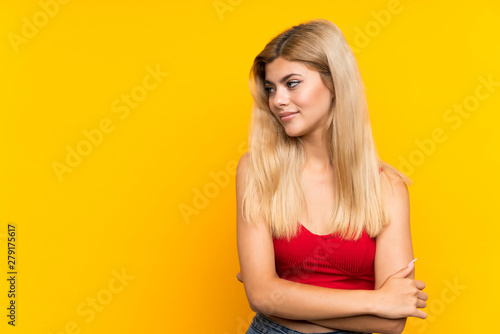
(281,97)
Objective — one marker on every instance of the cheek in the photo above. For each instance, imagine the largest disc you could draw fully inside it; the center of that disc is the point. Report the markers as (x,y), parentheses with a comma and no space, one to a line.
(305,98)
(312,99)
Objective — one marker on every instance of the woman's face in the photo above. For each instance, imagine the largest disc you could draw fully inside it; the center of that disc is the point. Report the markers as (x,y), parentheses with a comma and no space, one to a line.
(294,89)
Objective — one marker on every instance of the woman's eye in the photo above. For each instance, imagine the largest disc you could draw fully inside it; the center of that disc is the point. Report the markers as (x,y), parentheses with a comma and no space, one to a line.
(290,84)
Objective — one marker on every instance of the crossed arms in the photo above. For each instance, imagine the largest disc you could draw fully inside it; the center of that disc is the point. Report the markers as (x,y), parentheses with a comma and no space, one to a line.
(397,294)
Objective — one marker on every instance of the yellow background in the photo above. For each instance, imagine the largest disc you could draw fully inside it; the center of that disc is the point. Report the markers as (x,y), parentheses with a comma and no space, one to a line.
(120,208)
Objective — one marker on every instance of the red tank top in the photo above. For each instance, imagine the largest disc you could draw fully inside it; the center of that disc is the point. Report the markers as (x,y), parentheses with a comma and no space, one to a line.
(326,260)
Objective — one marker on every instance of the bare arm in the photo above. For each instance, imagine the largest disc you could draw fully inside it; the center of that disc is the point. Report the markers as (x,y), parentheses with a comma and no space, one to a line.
(365,323)
(360,323)
(269,294)
(394,251)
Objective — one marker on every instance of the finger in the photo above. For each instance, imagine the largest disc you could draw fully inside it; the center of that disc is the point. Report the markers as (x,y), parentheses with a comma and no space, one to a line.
(420,314)
(419,284)
(238,276)
(412,263)
(403,272)
(422,295)
(421,304)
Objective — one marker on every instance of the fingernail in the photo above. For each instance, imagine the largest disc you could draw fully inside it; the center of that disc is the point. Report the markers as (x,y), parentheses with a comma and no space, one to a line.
(410,264)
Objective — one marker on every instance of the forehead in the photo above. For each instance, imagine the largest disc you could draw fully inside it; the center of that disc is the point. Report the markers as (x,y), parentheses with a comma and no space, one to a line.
(280,67)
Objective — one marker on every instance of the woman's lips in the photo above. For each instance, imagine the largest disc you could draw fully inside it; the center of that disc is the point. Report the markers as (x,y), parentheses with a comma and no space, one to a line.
(289,116)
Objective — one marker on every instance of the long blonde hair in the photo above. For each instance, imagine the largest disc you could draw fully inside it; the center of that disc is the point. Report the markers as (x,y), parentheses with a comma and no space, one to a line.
(273,186)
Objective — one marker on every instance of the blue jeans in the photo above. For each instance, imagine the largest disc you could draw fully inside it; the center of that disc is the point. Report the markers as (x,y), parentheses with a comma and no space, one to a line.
(262,325)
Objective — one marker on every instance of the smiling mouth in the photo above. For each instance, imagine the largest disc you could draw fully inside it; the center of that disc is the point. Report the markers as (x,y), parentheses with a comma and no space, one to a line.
(288,116)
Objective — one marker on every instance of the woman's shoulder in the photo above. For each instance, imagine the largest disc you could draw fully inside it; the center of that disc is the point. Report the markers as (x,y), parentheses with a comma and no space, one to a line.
(391,184)
(241,171)
(244,157)
(243,163)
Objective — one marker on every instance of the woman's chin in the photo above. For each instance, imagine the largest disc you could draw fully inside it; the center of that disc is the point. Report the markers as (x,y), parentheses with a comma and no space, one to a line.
(293,132)
(294,128)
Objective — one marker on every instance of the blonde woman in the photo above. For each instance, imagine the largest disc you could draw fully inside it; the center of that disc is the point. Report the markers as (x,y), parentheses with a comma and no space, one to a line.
(323,228)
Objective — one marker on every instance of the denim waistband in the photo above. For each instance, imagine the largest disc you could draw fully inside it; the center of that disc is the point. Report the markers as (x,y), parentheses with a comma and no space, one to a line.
(265,325)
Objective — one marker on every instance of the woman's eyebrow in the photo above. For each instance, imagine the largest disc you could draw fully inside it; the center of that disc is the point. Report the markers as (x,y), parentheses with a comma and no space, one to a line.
(285,78)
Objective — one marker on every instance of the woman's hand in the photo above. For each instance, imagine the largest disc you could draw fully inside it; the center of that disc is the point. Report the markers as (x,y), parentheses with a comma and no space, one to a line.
(401,297)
